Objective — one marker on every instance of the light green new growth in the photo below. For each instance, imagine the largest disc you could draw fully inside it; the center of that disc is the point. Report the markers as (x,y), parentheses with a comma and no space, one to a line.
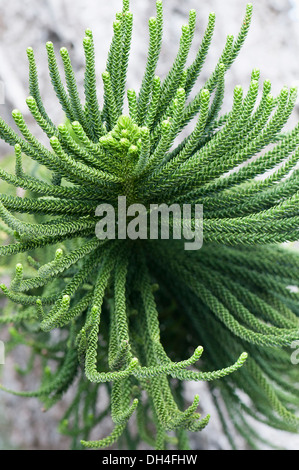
(223,314)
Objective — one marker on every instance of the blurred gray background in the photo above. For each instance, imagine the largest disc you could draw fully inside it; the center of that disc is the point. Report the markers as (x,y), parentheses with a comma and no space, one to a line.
(272,46)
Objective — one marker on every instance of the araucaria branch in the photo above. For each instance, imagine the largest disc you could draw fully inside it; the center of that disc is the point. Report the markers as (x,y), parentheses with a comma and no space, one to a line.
(141,317)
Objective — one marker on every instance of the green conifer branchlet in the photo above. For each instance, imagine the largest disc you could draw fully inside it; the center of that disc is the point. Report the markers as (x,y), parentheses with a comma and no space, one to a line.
(231,297)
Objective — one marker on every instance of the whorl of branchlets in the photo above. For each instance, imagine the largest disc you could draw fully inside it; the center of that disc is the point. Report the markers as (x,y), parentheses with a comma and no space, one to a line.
(115,330)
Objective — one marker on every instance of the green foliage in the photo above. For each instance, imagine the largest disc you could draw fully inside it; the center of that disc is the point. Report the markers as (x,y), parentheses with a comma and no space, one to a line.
(114,329)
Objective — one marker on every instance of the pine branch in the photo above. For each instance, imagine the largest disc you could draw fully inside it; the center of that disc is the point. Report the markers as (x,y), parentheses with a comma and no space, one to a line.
(224,313)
